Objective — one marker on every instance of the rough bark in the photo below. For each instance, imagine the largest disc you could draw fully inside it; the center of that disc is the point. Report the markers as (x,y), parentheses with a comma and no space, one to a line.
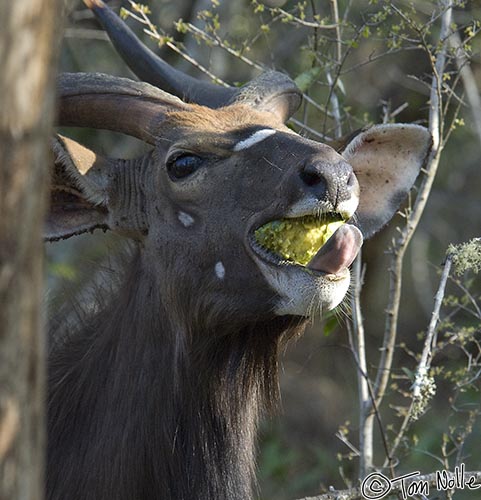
(27,54)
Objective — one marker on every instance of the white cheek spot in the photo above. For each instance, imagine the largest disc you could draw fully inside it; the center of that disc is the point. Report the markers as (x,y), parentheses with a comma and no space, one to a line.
(220,270)
(185,219)
(256,137)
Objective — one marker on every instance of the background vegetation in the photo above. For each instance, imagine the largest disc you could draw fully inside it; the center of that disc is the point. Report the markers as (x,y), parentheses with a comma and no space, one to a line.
(358,63)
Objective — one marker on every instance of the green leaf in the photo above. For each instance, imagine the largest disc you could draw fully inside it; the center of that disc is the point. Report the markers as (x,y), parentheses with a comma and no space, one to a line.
(330,324)
(408,372)
(305,80)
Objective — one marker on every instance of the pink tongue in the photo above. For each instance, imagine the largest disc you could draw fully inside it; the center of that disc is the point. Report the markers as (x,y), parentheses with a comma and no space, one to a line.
(339,251)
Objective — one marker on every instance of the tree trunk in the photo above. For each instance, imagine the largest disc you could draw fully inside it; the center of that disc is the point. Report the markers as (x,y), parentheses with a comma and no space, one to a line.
(27,54)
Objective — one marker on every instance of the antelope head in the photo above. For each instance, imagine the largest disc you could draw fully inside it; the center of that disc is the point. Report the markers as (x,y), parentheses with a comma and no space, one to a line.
(230,203)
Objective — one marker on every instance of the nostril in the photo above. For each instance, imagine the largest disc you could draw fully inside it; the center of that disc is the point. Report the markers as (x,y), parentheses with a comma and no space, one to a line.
(351,181)
(310,176)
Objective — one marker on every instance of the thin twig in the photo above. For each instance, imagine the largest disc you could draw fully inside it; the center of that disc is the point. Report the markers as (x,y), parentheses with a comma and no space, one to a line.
(369,410)
(216,41)
(365,403)
(303,127)
(153,32)
(431,334)
(469,82)
(372,58)
(309,24)
(340,65)
(334,100)
(426,357)
(400,244)
(318,106)
(468,295)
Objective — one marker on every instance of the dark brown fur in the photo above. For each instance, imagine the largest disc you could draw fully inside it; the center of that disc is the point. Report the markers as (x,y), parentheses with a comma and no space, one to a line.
(142,408)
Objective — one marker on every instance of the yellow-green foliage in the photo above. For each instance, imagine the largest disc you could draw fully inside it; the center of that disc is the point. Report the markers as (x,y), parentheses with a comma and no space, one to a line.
(466,256)
(296,240)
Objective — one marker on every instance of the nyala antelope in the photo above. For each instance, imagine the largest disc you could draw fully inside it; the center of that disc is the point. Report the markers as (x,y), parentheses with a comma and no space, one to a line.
(240,229)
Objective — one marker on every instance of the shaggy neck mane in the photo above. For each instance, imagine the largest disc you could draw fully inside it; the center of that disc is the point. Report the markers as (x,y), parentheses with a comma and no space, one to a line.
(149,410)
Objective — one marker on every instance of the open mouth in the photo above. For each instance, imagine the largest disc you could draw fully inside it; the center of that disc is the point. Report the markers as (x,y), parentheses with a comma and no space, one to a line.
(324,244)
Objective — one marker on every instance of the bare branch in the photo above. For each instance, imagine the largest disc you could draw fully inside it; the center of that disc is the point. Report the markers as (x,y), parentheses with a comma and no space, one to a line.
(308,24)
(303,127)
(400,244)
(366,421)
(470,86)
(153,32)
(216,41)
(423,384)
(431,337)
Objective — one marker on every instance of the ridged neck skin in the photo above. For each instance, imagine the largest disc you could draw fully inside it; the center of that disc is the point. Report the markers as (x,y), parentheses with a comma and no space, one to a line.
(126,195)
(140,408)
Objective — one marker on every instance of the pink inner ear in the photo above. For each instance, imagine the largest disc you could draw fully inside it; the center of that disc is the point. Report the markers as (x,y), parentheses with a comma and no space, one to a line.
(386,160)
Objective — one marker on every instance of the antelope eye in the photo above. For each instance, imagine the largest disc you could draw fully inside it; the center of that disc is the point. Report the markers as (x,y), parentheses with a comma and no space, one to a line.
(183,165)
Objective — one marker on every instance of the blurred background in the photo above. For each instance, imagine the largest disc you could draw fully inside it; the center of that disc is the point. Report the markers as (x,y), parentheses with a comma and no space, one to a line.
(382,78)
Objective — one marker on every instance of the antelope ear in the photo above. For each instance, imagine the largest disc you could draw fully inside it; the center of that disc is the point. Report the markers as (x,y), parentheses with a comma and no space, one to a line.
(78,199)
(386,160)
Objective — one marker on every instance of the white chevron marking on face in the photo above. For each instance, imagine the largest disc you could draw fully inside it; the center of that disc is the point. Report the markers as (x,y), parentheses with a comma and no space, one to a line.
(256,137)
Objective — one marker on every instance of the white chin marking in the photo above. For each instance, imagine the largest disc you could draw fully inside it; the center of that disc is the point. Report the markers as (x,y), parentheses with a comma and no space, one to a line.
(256,137)
(302,293)
(185,219)
(348,207)
(220,270)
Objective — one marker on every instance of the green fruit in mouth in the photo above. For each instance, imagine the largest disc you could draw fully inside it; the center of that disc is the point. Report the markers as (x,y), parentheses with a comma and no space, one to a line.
(297,240)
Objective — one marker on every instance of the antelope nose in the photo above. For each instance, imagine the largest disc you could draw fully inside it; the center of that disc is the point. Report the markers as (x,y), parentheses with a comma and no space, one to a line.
(329,182)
